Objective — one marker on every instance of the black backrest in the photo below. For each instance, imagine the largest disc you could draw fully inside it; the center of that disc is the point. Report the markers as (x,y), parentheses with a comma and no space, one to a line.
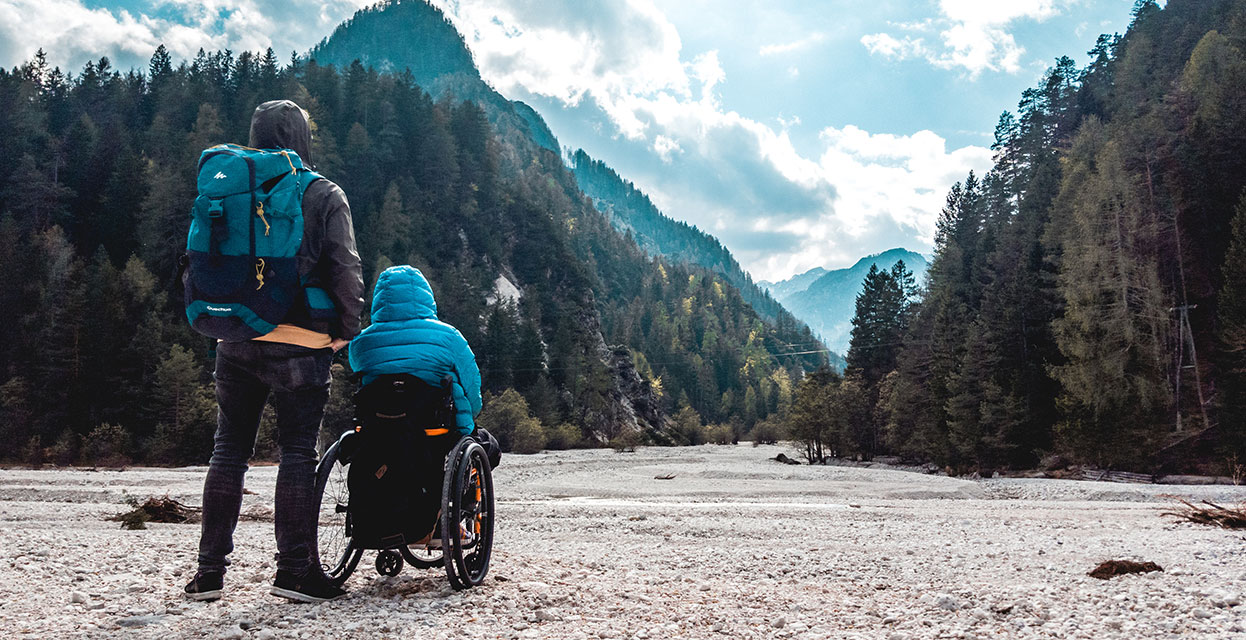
(404,399)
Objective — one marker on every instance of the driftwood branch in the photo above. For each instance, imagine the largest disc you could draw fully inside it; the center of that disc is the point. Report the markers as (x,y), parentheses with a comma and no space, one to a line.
(1210,513)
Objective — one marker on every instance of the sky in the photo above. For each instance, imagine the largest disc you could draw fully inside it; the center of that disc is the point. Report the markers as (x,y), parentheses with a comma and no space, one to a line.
(800,133)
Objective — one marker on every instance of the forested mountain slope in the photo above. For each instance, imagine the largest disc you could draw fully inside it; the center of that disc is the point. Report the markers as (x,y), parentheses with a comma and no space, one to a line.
(1086,298)
(440,62)
(99,361)
(630,210)
(523,136)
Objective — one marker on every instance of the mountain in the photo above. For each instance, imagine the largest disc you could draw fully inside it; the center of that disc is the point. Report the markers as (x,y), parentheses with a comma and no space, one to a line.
(795,284)
(698,332)
(826,300)
(631,212)
(438,59)
(411,37)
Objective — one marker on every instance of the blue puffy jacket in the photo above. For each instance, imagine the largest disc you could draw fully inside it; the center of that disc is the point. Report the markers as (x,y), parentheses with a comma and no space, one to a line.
(406,337)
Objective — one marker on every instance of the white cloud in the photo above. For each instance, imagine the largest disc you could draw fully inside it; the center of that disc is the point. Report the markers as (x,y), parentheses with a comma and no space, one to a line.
(66,27)
(795,45)
(664,147)
(885,45)
(780,212)
(974,35)
(72,33)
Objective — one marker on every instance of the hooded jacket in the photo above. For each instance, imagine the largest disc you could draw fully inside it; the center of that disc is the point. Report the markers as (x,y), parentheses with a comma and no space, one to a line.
(406,337)
(327,258)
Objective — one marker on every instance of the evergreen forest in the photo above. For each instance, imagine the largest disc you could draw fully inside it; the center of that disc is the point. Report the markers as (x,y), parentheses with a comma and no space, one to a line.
(603,342)
(1087,299)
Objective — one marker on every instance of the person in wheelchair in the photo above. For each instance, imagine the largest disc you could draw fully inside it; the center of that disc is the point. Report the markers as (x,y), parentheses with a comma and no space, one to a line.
(407,345)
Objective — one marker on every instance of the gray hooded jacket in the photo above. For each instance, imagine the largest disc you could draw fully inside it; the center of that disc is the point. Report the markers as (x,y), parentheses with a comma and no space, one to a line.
(328,258)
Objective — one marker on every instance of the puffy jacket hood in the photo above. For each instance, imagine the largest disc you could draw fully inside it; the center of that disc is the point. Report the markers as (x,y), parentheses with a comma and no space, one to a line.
(281,124)
(402,293)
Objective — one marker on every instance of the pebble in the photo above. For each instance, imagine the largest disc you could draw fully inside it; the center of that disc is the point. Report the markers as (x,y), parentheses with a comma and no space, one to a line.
(1225,599)
(139,621)
(827,583)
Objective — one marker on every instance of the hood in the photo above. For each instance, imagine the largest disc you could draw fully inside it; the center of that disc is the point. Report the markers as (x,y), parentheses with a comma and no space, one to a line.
(402,293)
(281,124)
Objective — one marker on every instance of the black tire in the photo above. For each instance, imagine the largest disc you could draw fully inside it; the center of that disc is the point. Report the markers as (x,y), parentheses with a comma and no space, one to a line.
(422,558)
(335,549)
(467,507)
(388,562)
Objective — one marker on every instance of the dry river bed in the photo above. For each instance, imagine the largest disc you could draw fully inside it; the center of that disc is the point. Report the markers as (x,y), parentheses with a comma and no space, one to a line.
(591,545)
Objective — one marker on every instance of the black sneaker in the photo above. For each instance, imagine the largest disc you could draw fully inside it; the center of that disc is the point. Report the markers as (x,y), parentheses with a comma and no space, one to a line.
(311,587)
(206,586)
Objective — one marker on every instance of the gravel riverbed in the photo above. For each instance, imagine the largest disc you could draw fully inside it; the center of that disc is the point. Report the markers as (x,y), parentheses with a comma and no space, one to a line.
(591,545)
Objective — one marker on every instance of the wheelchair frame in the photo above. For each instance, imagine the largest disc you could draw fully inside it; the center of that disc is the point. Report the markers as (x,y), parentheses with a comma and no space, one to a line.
(466,520)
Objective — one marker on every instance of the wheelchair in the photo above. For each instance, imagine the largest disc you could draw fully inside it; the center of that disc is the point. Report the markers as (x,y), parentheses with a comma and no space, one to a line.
(412,474)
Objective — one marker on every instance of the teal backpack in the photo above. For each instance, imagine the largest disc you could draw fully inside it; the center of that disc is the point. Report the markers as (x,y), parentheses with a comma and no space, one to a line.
(241,275)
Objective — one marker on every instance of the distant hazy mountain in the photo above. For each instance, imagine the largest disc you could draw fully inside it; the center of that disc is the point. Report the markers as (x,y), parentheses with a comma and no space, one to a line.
(826,300)
(793,285)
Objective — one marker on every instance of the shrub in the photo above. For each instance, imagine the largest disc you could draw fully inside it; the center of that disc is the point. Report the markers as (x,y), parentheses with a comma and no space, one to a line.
(562,436)
(718,434)
(64,451)
(688,426)
(626,441)
(764,432)
(33,452)
(106,446)
(529,436)
(502,414)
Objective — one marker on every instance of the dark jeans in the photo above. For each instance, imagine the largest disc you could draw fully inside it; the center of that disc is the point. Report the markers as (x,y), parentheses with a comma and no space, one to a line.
(298,378)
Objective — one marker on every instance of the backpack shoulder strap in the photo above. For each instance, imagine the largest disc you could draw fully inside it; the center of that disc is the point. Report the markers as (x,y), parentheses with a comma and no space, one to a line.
(306,178)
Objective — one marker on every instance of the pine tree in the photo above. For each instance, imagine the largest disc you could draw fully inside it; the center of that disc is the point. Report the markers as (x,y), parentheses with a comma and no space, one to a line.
(811,422)
(1232,333)
(388,229)
(54,334)
(1115,394)
(184,408)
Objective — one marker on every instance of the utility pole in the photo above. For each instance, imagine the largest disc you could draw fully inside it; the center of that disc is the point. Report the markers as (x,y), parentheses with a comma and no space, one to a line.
(1186,338)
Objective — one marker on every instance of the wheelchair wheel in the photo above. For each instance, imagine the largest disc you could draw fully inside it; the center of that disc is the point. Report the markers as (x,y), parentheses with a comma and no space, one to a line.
(338,557)
(422,558)
(467,515)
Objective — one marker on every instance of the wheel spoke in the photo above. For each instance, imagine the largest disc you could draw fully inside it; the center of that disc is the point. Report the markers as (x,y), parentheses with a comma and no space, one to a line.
(337,556)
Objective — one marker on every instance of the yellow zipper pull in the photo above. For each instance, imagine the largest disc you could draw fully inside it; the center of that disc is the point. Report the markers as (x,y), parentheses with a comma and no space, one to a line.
(259,211)
(259,273)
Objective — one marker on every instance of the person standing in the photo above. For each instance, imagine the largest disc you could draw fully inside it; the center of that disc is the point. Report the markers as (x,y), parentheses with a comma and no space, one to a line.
(290,363)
